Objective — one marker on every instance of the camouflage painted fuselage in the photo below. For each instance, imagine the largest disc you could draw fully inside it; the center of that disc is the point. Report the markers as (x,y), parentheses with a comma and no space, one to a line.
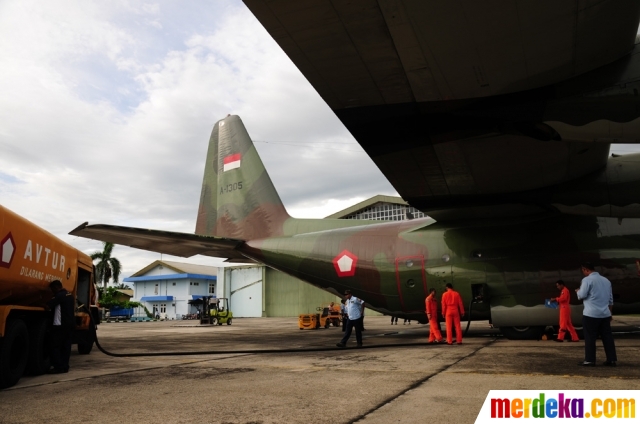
(513,264)
(507,266)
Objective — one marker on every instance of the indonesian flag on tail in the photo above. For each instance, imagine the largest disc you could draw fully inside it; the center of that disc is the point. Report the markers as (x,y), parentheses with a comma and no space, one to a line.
(231,162)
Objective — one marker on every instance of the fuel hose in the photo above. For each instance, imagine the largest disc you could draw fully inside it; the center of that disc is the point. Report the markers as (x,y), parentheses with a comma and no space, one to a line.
(239,351)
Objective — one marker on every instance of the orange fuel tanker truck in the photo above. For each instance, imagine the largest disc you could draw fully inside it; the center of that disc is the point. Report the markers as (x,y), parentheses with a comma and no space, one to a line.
(30,258)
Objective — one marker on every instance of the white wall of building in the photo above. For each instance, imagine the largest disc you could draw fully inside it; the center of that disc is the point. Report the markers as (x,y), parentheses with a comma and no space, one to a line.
(182,290)
(244,287)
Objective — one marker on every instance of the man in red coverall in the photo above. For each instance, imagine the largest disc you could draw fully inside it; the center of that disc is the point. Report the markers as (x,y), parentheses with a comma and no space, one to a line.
(565,313)
(432,314)
(452,309)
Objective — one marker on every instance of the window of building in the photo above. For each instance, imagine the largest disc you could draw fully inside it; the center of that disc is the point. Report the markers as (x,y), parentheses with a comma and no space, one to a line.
(386,211)
(156,289)
(174,284)
(212,288)
(163,308)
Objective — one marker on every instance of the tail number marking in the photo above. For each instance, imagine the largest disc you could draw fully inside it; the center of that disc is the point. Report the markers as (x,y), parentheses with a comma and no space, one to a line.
(231,187)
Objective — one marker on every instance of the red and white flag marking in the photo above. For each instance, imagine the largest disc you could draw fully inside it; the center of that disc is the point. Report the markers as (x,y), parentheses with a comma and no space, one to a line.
(231,162)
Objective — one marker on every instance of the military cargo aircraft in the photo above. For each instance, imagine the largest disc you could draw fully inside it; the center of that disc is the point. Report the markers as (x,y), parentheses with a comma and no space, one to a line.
(506,266)
(494,118)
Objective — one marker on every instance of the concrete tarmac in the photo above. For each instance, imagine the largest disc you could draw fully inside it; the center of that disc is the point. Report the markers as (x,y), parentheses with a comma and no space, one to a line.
(380,383)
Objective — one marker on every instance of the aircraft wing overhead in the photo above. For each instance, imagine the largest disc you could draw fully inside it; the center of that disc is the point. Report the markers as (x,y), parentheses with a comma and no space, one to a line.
(471,103)
(372,52)
(167,242)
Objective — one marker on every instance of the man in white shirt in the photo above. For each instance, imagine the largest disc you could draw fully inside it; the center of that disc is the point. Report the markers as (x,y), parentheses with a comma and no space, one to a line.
(355,308)
(597,297)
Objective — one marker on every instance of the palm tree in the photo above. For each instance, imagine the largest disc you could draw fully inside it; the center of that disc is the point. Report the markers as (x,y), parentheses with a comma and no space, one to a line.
(107,267)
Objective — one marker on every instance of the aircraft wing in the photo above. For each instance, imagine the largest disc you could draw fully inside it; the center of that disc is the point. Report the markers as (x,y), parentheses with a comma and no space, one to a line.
(170,243)
(471,103)
(373,52)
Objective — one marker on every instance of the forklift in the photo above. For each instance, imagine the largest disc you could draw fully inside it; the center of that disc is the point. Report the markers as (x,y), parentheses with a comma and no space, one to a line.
(203,305)
(221,312)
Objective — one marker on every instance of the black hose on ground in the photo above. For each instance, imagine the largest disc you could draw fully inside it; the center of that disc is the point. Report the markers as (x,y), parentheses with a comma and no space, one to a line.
(242,351)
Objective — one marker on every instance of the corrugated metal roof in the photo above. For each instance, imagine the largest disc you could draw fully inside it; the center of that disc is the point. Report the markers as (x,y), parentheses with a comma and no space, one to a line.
(193,268)
(178,267)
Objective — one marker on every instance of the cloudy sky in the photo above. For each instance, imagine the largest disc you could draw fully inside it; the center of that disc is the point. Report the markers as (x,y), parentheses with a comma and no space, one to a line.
(107,108)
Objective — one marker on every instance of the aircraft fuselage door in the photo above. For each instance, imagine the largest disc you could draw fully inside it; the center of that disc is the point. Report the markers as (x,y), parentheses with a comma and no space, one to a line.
(412,283)
(469,279)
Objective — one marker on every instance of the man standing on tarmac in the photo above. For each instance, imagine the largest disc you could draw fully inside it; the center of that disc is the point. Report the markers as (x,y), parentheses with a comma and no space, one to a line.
(355,307)
(597,297)
(432,314)
(452,310)
(63,325)
(565,313)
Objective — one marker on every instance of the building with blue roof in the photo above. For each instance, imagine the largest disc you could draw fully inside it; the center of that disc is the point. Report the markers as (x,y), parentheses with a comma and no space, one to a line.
(166,287)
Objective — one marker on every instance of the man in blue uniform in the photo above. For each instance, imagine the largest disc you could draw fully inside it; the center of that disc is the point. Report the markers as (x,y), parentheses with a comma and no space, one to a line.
(355,308)
(597,297)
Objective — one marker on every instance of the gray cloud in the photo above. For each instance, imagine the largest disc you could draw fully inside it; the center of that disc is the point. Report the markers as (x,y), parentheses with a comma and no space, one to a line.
(107,110)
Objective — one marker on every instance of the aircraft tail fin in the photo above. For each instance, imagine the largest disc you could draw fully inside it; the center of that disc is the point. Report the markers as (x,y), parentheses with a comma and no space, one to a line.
(238,199)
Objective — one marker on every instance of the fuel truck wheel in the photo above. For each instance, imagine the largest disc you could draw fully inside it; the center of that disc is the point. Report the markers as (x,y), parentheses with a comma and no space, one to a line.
(39,348)
(85,344)
(85,348)
(522,333)
(14,351)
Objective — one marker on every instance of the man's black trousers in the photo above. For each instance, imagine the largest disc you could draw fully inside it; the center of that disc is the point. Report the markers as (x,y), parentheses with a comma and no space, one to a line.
(592,327)
(60,347)
(351,324)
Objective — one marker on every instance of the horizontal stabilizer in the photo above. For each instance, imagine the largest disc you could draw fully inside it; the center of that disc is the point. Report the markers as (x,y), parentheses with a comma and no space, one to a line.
(167,242)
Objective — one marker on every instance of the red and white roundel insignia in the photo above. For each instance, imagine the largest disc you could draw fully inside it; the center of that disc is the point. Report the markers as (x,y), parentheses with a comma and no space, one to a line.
(7,251)
(345,264)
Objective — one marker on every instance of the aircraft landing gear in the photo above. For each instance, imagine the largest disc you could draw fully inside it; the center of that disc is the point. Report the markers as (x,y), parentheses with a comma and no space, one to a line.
(522,333)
